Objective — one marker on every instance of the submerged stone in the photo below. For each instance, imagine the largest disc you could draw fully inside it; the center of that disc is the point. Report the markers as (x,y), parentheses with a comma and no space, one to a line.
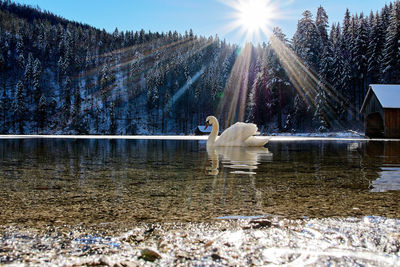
(149,255)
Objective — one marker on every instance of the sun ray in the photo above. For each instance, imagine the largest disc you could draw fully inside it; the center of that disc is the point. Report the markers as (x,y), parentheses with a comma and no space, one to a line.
(252,20)
(233,103)
(127,56)
(110,91)
(305,81)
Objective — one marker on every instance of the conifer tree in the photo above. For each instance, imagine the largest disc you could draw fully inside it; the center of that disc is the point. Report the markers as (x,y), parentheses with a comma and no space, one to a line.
(41,113)
(375,47)
(113,120)
(20,53)
(28,75)
(391,51)
(66,101)
(76,111)
(321,21)
(3,110)
(324,48)
(306,41)
(36,75)
(19,108)
(360,61)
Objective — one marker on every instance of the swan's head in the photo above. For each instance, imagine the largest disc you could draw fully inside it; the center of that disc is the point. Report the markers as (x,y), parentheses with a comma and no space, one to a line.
(210,121)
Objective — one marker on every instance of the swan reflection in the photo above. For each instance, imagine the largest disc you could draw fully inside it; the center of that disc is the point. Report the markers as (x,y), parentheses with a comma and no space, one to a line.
(241,160)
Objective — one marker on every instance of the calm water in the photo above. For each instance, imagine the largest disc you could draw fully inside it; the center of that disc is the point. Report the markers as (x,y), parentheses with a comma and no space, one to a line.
(123,182)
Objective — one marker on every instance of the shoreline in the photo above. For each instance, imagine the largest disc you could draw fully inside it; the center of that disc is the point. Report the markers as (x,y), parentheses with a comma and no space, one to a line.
(368,240)
(273,138)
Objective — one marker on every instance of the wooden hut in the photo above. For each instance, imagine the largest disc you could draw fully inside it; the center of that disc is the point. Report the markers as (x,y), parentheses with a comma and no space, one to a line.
(381,109)
(200,130)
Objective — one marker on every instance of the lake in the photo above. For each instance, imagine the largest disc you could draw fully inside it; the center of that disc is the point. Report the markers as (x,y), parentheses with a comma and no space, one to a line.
(122,182)
(127,202)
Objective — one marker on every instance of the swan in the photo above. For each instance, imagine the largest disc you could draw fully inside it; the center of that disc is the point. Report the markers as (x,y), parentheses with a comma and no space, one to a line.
(239,134)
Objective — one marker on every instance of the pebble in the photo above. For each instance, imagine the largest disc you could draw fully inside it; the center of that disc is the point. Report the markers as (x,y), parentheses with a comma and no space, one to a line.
(149,255)
(351,241)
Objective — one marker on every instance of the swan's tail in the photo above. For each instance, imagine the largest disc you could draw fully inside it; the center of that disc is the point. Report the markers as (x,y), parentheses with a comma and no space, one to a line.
(257,140)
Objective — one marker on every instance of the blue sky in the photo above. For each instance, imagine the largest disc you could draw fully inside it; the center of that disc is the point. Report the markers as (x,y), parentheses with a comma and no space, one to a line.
(205,17)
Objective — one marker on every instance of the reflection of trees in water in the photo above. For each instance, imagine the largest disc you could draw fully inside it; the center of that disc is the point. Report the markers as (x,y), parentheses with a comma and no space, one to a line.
(338,164)
(354,162)
(386,157)
(152,180)
(90,159)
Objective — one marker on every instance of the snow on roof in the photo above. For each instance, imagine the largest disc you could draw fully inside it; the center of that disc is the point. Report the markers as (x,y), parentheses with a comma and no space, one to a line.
(387,94)
(201,128)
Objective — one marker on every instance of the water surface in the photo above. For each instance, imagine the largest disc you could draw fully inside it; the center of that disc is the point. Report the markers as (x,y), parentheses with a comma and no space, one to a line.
(122,182)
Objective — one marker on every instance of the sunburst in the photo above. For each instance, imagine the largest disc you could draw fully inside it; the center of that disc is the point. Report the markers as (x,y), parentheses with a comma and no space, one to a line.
(253,18)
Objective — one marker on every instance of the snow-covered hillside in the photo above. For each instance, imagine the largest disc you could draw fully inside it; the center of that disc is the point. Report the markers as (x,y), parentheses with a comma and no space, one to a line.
(63,77)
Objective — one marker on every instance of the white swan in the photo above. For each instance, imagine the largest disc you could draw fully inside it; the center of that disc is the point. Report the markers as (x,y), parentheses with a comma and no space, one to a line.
(239,134)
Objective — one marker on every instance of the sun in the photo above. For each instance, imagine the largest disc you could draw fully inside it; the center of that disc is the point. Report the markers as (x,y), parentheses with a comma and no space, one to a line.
(252,19)
(254,15)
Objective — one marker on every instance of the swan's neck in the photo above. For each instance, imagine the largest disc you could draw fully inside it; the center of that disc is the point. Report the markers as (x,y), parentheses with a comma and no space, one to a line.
(214,133)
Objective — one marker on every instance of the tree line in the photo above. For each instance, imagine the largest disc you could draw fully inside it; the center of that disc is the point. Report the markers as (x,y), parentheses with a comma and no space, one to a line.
(318,80)
(58,76)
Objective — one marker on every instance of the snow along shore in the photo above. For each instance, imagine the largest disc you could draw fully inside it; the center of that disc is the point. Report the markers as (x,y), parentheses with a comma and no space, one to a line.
(296,137)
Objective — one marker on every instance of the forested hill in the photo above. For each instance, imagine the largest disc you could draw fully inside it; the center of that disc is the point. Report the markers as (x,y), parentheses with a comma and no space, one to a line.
(58,76)
(64,77)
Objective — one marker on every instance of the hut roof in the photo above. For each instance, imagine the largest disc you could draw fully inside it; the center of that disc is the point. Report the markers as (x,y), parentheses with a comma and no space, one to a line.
(387,94)
(201,129)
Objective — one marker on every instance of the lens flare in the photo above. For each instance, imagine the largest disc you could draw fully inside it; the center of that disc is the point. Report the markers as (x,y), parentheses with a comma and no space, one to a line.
(253,19)
(254,15)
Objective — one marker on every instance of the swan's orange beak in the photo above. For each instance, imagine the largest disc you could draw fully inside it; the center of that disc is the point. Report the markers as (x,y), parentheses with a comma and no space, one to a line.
(206,125)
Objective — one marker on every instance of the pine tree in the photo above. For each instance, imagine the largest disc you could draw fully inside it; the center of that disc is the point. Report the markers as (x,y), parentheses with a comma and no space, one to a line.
(4,50)
(299,113)
(260,100)
(385,16)
(41,112)
(337,72)
(3,110)
(306,41)
(113,121)
(347,38)
(278,82)
(105,82)
(321,21)
(19,108)
(348,78)
(360,61)
(375,47)
(391,51)
(28,75)
(324,48)
(20,53)
(166,110)
(66,102)
(36,75)
(318,118)
(52,109)
(346,85)
(76,111)
(335,40)
(60,69)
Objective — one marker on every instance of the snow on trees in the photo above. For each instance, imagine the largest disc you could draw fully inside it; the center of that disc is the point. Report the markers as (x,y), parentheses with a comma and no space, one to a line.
(78,79)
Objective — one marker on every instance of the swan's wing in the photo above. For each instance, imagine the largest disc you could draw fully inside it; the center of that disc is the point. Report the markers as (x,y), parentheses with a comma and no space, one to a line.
(257,141)
(236,134)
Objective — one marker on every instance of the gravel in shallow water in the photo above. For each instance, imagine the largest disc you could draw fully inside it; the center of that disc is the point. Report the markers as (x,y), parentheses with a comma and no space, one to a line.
(367,241)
